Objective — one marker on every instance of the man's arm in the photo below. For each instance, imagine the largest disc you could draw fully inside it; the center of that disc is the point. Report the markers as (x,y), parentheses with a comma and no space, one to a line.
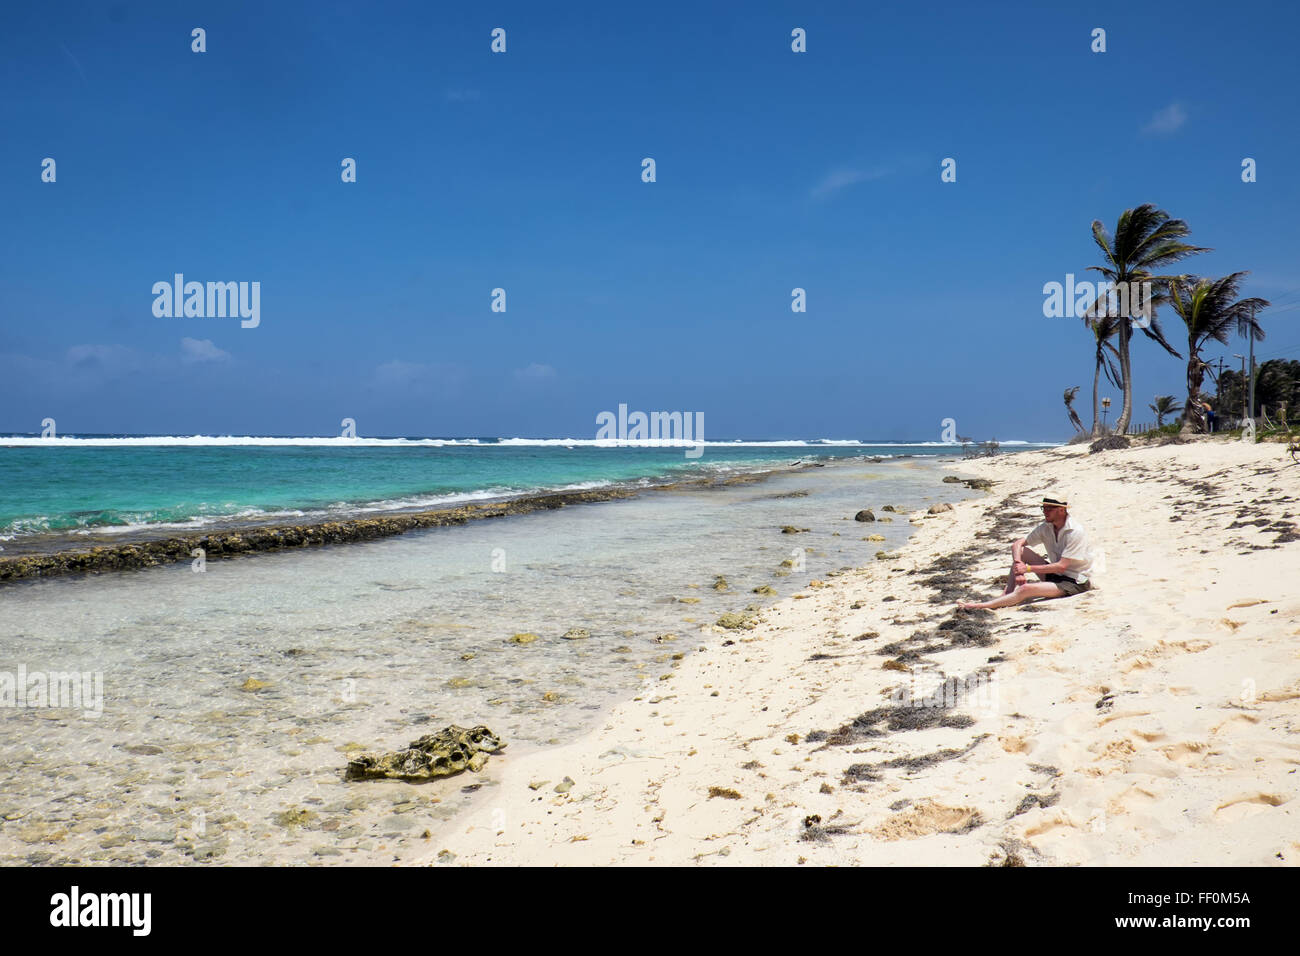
(1056,567)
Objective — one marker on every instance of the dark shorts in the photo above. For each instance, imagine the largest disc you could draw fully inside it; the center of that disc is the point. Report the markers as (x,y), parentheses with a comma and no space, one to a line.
(1068,586)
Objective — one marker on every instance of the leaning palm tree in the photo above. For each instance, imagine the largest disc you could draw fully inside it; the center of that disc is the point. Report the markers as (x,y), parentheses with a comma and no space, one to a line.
(1069,407)
(1164,405)
(1211,310)
(1103,328)
(1145,239)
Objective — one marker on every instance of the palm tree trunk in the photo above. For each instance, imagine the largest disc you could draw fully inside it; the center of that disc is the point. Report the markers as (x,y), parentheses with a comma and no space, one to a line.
(1126,376)
(1096,382)
(1193,414)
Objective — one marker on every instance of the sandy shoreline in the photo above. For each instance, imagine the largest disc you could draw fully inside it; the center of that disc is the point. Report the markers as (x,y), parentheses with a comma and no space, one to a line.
(1151,721)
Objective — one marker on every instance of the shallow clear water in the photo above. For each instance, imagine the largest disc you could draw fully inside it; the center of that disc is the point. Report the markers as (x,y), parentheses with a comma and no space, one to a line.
(365,644)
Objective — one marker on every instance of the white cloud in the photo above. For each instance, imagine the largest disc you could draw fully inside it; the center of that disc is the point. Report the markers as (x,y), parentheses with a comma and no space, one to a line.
(201,350)
(535,373)
(1167,120)
(839,179)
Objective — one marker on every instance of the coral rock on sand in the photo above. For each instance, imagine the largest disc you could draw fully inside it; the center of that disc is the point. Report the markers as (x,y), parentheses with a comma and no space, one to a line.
(443,754)
(864,515)
(939,508)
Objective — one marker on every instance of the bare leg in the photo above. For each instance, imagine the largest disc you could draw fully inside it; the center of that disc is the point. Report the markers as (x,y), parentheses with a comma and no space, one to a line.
(1028,557)
(1025,592)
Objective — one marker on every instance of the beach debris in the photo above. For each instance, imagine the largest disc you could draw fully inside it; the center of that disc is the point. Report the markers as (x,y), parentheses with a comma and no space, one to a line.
(537,784)
(448,752)
(864,515)
(939,508)
(725,792)
(1108,443)
(468,656)
(895,665)
(523,637)
(792,738)
(565,785)
(253,684)
(791,529)
(576,634)
(446,856)
(826,788)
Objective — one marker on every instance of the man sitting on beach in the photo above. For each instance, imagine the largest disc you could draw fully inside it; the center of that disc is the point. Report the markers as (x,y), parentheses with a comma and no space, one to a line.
(1065,570)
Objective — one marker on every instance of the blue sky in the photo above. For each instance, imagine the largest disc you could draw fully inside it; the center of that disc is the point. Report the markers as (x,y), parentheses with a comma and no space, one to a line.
(522,170)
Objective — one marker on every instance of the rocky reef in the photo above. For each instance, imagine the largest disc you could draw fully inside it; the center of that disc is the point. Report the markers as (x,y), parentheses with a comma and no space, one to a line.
(450,751)
(146,554)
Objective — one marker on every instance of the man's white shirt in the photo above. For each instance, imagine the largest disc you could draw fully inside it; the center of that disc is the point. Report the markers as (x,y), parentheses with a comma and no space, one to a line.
(1070,542)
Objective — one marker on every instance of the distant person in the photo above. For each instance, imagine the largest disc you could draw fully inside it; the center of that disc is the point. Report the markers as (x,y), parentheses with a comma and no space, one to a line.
(1062,573)
(1209,416)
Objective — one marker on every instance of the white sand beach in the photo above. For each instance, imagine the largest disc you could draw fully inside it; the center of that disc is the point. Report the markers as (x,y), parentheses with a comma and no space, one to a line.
(1150,721)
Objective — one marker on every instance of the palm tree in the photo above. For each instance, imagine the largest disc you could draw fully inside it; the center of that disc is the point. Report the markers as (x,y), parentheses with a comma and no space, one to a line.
(1069,407)
(1103,330)
(1211,310)
(1145,238)
(1164,405)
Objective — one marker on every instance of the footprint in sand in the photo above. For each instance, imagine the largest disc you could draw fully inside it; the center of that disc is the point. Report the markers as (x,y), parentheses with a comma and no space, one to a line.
(1188,753)
(1248,805)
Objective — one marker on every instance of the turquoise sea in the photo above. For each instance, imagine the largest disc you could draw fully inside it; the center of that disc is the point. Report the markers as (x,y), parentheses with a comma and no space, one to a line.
(54,490)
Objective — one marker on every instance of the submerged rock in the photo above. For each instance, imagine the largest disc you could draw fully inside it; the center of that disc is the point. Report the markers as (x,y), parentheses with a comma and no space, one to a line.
(765,589)
(576,634)
(523,637)
(791,529)
(448,752)
(864,515)
(720,583)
